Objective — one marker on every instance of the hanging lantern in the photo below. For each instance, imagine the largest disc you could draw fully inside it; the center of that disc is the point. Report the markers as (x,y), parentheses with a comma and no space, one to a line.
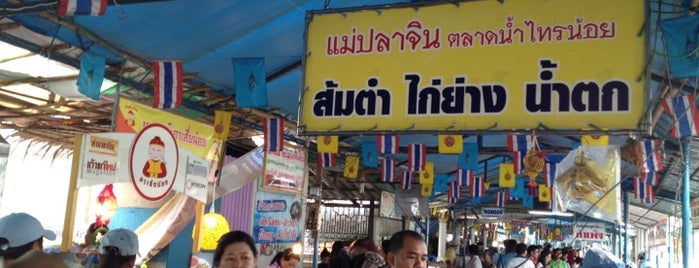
(213,226)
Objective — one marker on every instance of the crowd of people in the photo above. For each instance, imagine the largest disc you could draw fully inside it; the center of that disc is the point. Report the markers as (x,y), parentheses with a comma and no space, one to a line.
(515,255)
(404,249)
(22,236)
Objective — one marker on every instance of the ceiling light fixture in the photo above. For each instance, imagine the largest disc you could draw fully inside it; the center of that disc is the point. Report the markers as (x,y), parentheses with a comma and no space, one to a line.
(550,213)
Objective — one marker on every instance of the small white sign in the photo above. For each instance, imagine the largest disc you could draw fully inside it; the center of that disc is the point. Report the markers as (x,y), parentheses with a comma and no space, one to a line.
(589,231)
(493,212)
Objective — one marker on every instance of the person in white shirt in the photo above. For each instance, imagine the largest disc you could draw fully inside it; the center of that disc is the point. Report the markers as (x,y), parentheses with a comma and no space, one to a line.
(521,260)
(474,261)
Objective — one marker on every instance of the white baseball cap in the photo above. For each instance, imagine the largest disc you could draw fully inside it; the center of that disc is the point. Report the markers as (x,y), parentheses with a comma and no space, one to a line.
(123,239)
(21,228)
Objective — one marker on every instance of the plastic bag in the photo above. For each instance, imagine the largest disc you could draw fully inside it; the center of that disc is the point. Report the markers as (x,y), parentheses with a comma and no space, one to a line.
(584,176)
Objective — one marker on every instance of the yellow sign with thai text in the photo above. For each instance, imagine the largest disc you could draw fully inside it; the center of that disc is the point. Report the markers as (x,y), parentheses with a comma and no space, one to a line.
(473,66)
(195,136)
(192,135)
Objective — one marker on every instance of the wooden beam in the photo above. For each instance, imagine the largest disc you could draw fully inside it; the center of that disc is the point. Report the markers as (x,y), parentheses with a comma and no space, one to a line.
(9,26)
(56,47)
(32,80)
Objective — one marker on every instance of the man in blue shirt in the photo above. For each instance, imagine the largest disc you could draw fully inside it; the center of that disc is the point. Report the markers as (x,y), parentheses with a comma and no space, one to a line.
(509,253)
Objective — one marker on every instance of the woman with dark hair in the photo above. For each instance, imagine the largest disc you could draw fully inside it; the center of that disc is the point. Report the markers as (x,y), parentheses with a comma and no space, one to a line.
(488,258)
(365,254)
(285,259)
(339,256)
(235,249)
(544,259)
(118,249)
(557,260)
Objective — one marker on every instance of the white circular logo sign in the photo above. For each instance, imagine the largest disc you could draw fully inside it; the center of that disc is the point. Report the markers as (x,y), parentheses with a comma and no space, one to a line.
(153,161)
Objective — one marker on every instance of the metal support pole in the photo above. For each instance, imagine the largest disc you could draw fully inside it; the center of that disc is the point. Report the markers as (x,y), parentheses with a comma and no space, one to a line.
(427,233)
(316,244)
(626,227)
(686,212)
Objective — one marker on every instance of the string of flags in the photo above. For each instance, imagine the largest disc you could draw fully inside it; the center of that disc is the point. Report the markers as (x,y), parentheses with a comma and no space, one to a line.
(419,170)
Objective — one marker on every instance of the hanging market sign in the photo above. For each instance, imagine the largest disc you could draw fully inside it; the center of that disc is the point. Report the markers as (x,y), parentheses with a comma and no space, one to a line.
(510,65)
(657,235)
(277,218)
(285,170)
(493,212)
(194,136)
(589,231)
(103,158)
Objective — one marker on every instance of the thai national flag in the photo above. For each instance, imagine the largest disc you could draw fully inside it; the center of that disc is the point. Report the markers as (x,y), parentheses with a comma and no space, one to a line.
(650,178)
(464,177)
(326,159)
(406,182)
(500,199)
(81,7)
(478,187)
(684,114)
(519,143)
(650,152)
(417,157)
(387,144)
(453,200)
(274,135)
(454,190)
(518,161)
(643,191)
(550,173)
(167,90)
(388,170)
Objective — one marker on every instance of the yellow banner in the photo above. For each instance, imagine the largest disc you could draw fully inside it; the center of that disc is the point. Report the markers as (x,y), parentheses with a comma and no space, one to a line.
(450,144)
(351,167)
(427,175)
(594,140)
(544,193)
(222,124)
(327,144)
(507,176)
(510,65)
(425,189)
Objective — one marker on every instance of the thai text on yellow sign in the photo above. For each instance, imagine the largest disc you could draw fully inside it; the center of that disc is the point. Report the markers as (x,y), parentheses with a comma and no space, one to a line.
(475,65)
(195,136)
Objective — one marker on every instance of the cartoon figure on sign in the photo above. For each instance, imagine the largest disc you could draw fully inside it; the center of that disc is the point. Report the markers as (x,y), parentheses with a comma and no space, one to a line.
(155,167)
(130,118)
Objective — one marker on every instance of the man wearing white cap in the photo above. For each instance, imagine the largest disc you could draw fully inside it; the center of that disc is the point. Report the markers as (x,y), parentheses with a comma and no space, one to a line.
(20,233)
(118,249)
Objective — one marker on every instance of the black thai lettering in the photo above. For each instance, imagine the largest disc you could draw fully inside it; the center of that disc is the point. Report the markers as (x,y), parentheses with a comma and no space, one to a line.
(335,101)
(451,99)
(585,96)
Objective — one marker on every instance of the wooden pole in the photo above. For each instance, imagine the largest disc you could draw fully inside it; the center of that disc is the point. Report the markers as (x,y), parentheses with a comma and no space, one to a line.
(72,200)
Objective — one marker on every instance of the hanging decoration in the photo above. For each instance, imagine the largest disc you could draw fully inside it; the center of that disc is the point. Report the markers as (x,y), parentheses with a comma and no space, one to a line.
(534,161)
(213,227)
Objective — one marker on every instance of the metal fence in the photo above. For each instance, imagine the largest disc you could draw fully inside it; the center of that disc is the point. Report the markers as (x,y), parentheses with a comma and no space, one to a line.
(344,223)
